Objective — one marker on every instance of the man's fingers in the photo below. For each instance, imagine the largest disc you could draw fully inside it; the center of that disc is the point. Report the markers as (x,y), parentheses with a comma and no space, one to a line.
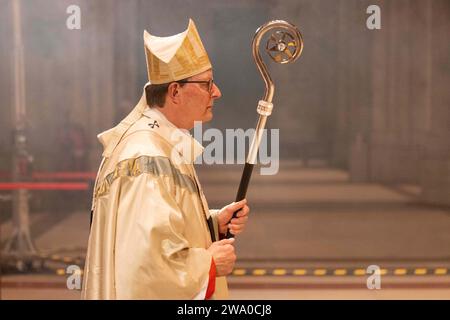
(225,241)
(236,229)
(244,211)
(236,226)
(237,205)
(239,220)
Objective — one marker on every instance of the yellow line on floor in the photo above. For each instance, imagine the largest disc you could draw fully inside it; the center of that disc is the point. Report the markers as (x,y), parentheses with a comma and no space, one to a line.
(239,272)
(259,272)
(400,272)
(320,272)
(359,272)
(340,272)
(420,271)
(440,271)
(299,272)
(279,272)
(60,272)
(315,272)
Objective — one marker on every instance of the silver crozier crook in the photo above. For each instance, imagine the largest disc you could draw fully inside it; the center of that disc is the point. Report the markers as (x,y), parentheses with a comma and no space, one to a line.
(284,45)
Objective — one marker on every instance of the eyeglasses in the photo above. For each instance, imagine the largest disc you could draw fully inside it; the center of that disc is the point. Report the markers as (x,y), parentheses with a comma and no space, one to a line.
(209,82)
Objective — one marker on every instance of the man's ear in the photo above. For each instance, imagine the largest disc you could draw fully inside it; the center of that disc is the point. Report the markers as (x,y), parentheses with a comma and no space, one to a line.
(173,92)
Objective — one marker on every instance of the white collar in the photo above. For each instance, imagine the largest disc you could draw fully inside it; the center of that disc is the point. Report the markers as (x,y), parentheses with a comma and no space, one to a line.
(181,140)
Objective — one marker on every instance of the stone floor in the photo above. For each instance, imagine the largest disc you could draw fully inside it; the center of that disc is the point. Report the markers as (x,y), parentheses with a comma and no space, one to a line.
(309,219)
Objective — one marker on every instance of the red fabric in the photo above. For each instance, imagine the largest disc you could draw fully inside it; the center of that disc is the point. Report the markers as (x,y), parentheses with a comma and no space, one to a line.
(212,280)
(44,185)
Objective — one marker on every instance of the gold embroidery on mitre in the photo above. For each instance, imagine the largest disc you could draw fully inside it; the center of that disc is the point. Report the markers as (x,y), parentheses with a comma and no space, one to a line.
(176,57)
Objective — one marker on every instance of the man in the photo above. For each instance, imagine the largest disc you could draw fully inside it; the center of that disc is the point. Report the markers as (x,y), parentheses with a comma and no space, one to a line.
(152,234)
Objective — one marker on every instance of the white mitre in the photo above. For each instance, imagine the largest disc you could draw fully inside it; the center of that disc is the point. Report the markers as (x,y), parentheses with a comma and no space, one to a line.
(176,57)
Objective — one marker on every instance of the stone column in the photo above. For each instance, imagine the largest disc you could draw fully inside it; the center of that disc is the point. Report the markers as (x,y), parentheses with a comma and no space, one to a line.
(435,156)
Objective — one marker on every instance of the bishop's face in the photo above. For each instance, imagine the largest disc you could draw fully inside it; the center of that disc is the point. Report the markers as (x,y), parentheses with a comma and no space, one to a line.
(198,99)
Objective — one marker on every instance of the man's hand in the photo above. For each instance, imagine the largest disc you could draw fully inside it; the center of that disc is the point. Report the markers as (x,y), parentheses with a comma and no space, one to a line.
(236,225)
(223,255)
